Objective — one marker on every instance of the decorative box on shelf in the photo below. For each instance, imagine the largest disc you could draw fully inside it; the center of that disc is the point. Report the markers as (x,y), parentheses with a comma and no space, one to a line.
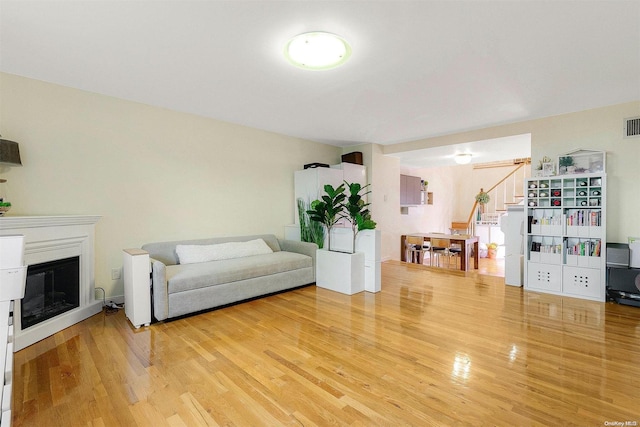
(581,162)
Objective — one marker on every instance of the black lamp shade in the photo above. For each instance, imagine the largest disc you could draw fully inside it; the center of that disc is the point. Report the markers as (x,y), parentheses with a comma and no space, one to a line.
(9,153)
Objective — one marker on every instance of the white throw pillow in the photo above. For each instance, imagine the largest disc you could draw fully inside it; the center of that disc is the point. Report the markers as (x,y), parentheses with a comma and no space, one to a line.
(189,254)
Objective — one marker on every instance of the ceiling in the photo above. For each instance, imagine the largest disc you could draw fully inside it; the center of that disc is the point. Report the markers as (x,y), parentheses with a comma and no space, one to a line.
(419,68)
(485,151)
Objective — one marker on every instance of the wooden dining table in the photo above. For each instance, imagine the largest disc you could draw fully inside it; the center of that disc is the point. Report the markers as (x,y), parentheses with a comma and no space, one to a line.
(466,241)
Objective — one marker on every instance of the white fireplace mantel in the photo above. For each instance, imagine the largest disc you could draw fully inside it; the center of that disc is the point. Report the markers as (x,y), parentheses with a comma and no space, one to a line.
(50,238)
(14,222)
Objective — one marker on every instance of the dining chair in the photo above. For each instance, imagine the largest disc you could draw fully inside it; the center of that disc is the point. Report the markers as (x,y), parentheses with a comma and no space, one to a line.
(455,249)
(459,228)
(455,253)
(415,249)
(439,247)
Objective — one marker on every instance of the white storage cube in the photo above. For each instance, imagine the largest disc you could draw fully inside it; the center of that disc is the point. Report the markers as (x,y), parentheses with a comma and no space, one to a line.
(550,258)
(595,231)
(534,256)
(583,282)
(551,230)
(594,262)
(544,277)
(572,260)
(572,230)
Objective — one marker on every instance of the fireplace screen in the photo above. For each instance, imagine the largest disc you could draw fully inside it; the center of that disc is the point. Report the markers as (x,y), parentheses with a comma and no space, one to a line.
(52,288)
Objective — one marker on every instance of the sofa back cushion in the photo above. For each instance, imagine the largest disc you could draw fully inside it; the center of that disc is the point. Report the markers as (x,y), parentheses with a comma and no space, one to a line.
(165,252)
(191,254)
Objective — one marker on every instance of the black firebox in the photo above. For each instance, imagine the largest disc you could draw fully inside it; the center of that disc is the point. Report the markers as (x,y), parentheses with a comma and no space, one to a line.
(52,288)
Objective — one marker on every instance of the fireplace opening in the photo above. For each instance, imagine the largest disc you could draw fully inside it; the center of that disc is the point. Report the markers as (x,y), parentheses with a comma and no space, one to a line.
(52,288)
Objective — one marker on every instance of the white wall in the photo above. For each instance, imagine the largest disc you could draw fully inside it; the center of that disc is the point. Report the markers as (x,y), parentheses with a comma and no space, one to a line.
(153,174)
(436,217)
(156,174)
(383,174)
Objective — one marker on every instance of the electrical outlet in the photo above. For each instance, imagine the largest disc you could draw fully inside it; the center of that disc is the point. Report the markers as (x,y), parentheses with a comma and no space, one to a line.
(115,274)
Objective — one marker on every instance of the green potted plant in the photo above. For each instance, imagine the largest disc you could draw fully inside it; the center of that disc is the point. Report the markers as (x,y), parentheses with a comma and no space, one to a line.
(482,197)
(341,271)
(541,163)
(329,210)
(4,207)
(356,210)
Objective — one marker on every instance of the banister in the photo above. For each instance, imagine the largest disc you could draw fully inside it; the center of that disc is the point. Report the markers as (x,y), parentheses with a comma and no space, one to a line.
(475,203)
(520,166)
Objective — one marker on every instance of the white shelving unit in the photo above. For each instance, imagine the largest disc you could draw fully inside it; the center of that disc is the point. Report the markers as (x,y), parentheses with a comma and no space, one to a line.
(566,235)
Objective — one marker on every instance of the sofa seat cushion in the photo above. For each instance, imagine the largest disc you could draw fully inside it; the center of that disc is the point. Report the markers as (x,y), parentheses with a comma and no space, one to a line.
(184,277)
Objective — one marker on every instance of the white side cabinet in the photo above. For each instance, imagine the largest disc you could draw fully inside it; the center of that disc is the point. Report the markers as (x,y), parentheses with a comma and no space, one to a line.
(137,287)
(6,360)
(13,274)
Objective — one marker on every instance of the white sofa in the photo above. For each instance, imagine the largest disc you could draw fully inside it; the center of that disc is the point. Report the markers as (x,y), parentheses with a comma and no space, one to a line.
(180,289)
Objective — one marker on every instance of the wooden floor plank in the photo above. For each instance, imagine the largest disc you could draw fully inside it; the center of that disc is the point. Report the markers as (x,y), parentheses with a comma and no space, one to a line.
(434,347)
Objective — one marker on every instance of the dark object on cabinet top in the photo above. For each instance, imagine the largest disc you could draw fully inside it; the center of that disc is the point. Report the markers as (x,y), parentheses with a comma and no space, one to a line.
(355,158)
(316,165)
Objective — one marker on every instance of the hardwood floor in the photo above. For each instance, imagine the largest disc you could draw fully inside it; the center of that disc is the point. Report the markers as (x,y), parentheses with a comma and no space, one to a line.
(434,347)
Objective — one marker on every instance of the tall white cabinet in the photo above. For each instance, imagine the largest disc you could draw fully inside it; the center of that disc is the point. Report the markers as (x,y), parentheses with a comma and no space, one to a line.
(566,235)
(309,183)
(137,286)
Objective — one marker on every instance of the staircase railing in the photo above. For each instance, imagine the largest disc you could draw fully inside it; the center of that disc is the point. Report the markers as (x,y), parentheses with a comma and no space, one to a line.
(505,192)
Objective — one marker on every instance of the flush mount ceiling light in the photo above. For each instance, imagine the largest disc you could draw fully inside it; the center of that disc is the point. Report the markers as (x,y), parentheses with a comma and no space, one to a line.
(317,51)
(462,158)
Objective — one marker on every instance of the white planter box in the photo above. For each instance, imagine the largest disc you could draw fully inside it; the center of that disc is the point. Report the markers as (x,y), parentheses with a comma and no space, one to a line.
(340,272)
